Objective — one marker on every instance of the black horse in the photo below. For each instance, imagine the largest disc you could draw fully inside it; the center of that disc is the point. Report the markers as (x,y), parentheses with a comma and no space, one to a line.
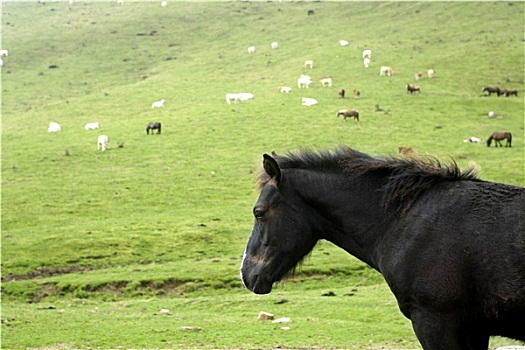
(498,136)
(491,90)
(154,126)
(450,246)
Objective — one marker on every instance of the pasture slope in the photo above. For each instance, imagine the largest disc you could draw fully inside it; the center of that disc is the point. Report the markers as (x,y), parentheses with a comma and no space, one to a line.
(95,244)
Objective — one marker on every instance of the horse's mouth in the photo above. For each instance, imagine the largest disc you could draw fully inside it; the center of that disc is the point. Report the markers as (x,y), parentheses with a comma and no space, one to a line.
(261,287)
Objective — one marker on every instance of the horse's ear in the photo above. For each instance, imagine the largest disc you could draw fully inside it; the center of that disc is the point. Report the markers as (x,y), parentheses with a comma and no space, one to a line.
(271,167)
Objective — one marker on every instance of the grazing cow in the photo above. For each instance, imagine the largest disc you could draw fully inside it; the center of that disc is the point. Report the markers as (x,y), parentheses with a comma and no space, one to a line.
(366,62)
(309,64)
(367,53)
(234,97)
(275,45)
(311,12)
(473,139)
(418,75)
(341,93)
(430,73)
(91,126)
(304,81)
(386,71)
(240,97)
(154,126)
(4,52)
(348,113)
(357,93)
(244,96)
(306,101)
(158,104)
(54,127)
(251,50)
(406,151)
(102,143)
(164,4)
(285,89)
(413,88)
(326,81)
(343,42)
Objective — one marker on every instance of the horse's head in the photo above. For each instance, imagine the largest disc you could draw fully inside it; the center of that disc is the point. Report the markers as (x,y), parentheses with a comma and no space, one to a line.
(282,234)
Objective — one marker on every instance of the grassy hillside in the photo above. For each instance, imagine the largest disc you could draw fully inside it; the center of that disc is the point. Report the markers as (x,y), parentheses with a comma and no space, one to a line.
(163,220)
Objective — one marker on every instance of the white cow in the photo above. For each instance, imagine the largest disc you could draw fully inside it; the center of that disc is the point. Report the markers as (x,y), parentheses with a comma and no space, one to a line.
(343,42)
(430,73)
(309,64)
(4,52)
(164,4)
(366,62)
(285,89)
(158,104)
(326,81)
(306,101)
(91,126)
(251,50)
(240,97)
(232,97)
(244,96)
(367,53)
(54,127)
(275,45)
(304,81)
(473,139)
(102,143)
(386,71)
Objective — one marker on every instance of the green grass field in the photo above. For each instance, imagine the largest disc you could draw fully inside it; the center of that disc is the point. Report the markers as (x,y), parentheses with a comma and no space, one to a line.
(94,243)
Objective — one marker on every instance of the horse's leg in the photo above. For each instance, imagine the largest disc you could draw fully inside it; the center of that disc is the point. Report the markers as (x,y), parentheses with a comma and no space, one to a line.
(447,331)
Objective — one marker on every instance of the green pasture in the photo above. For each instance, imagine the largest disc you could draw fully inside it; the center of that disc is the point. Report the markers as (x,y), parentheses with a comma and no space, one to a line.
(95,244)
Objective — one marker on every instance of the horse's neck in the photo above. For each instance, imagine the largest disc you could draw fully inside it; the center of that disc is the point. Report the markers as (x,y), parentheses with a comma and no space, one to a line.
(349,214)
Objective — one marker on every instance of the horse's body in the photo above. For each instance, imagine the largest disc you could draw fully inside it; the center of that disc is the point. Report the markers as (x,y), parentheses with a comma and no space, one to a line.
(491,90)
(450,246)
(154,126)
(413,88)
(498,136)
(348,113)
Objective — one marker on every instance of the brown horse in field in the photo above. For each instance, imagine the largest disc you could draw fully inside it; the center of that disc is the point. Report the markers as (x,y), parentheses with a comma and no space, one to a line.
(498,136)
(348,113)
(413,88)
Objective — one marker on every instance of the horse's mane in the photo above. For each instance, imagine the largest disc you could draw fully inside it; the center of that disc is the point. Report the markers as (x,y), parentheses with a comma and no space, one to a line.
(406,178)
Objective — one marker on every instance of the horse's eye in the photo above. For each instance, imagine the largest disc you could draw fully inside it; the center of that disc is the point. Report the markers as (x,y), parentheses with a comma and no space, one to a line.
(258,212)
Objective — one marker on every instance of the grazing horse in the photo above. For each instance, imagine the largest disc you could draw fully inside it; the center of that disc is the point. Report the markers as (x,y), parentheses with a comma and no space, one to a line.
(348,113)
(154,126)
(511,93)
(450,246)
(491,90)
(413,88)
(498,136)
